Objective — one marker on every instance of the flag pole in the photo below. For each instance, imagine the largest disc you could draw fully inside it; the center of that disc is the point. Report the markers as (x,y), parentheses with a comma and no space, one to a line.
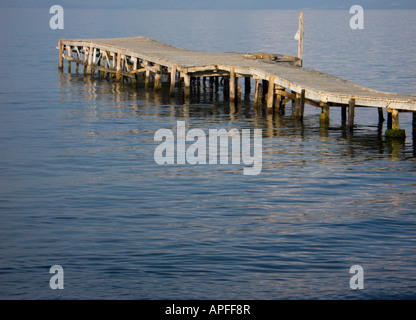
(300,40)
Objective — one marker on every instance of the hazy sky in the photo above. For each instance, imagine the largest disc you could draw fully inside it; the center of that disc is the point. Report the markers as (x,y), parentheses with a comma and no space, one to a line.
(214,4)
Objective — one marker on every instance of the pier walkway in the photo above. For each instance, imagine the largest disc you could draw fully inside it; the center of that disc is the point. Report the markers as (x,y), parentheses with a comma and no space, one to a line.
(278,78)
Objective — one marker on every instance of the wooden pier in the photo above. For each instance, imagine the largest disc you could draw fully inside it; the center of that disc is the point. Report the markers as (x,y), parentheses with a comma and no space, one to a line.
(279,79)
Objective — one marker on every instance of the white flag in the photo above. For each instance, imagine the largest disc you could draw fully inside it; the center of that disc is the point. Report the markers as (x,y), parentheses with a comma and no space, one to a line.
(297,35)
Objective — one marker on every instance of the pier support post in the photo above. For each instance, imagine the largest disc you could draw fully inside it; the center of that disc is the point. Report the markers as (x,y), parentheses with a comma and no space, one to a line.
(237,96)
(265,86)
(77,64)
(278,106)
(69,61)
(147,75)
(158,77)
(247,85)
(324,116)
(172,80)
(270,95)
(301,104)
(187,83)
(258,93)
(232,84)
(395,118)
(351,113)
(94,56)
(61,52)
(389,120)
(395,131)
(89,59)
(414,125)
(118,67)
(239,93)
(380,116)
(135,63)
(102,64)
(296,107)
(343,115)
(293,100)
(226,87)
(211,84)
(198,87)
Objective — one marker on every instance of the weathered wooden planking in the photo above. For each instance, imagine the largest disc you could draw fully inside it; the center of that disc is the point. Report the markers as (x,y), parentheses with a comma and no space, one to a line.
(318,86)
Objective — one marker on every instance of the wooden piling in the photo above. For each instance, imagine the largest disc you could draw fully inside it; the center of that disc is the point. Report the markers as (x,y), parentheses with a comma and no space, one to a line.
(278,106)
(158,77)
(147,74)
(237,97)
(85,65)
(69,61)
(102,65)
(265,86)
(343,115)
(270,97)
(172,80)
(61,55)
(118,67)
(94,55)
(226,87)
(211,84)
(351,112)
(395,132)
(247,85)
(301,104)
(232,84)
(294,101)
(324,116)
(198,86)
(395,119)
(258,93)
(187,83)
(89,59)
(389,119)
(380,116)
(414,124)
(295,106)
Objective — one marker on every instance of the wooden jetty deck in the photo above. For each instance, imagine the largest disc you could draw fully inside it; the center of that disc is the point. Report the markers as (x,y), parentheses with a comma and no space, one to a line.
(279,79)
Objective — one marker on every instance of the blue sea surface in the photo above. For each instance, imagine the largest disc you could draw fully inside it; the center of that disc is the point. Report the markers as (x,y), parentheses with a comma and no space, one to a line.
(79,186)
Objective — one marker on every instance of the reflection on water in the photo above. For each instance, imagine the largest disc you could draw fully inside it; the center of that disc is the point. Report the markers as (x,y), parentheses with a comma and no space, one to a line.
(209,106)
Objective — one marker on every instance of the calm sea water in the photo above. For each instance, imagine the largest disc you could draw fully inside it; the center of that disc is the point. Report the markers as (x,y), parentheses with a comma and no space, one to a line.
(79,186)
